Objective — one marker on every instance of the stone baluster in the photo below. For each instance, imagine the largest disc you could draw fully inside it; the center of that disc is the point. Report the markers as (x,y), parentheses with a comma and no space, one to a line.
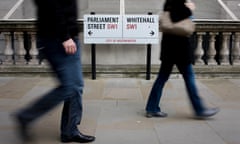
(20,51)
(236,50)
(199,50)
(211,52)
(8,52)
(224,51)
(33,50)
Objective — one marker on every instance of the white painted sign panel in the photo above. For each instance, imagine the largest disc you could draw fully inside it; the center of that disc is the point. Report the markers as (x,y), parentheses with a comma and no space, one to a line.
(121,29)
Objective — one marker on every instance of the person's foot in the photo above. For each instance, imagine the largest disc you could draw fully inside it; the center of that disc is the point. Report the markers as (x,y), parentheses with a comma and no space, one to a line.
(156,114)
(22,129)
(81,138)
(208,112)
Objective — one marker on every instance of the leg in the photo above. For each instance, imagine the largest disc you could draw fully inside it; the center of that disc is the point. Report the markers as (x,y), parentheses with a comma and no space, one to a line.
(188,74)
(156,92)
(200,110)
(72,110)
(71,117)
(67,69)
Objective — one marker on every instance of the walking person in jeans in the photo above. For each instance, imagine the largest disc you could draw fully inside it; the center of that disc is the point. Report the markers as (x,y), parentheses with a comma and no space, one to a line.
(176,50)
(58,38)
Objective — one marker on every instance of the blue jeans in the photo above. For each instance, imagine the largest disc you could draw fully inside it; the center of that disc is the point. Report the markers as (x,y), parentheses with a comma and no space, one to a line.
(188,74)
(68,70)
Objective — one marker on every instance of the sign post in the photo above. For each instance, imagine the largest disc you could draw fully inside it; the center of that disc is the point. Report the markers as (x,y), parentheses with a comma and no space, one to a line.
(93,51)
(122,7)
(149,55)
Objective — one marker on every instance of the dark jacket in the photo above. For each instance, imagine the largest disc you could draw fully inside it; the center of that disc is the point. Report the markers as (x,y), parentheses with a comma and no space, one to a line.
(176,49)
(57,19)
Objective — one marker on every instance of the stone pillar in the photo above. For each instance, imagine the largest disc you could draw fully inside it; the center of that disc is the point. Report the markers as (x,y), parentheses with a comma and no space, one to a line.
(236,50)
(20,50)
(211,52)
(33,50)
(8,52)
(224,52)
(199,50)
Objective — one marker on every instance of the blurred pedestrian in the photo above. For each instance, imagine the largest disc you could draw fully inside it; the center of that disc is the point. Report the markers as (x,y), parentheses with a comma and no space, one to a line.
(177,50)
(58,40)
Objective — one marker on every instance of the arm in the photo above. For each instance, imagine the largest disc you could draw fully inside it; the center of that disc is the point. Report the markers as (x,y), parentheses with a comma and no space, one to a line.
(62,28)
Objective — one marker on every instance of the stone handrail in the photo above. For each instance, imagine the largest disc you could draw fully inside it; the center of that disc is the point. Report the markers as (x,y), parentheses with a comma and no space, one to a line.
(216,42)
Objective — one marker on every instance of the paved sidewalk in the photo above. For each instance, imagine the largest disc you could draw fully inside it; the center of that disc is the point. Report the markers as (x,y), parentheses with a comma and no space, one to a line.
(114,111)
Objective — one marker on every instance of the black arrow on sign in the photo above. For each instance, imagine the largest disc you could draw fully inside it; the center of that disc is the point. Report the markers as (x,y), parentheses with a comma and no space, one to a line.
(90,33)
(152,33)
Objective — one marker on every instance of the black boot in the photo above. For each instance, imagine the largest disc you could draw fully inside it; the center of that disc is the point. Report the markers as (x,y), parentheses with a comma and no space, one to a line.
(81,138)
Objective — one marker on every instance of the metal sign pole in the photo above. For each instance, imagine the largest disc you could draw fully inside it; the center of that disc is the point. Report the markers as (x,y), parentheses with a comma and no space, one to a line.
(122,7)
(93,53)
(148,62)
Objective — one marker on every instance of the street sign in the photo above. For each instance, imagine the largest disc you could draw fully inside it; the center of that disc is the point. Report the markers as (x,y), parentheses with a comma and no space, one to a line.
(121,29)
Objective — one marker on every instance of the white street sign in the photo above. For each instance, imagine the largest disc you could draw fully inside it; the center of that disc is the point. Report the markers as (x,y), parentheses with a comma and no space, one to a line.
(121,29)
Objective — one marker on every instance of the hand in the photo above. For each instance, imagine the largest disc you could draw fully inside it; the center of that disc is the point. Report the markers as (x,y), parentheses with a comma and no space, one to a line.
(69,46)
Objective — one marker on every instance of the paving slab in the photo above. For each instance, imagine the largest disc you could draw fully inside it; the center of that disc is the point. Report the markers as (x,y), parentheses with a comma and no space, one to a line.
(187,132)
(114,111)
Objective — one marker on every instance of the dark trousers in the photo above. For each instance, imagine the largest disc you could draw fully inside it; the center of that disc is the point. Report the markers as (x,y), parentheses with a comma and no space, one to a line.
(68,71)
(188,74)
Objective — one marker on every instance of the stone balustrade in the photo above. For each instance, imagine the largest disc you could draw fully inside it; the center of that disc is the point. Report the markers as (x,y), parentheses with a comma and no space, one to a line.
(215,42)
